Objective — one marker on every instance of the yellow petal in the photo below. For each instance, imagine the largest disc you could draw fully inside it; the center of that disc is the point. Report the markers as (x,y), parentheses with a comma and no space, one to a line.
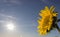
(45,22)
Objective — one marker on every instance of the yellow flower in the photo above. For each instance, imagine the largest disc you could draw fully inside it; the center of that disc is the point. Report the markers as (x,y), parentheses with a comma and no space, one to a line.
(45,22)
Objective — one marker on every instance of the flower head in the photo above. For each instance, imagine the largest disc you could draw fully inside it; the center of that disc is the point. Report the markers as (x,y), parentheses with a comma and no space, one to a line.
(45,23)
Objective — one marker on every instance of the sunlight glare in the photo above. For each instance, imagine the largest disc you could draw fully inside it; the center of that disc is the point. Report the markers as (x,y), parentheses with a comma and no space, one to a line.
(10,26)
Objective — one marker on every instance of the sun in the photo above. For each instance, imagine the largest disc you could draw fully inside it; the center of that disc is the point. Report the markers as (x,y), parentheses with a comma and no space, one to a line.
(10,26)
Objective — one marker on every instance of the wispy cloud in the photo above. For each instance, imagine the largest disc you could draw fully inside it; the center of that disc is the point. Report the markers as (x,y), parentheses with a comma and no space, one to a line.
(11,2)
(45,1)
(5,18)
(2,21)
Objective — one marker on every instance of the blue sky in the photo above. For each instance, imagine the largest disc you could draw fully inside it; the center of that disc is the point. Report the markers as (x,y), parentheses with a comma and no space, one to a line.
(24,14)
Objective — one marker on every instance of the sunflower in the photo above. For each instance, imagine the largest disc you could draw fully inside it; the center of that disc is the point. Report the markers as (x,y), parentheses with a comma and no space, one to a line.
(45,23)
